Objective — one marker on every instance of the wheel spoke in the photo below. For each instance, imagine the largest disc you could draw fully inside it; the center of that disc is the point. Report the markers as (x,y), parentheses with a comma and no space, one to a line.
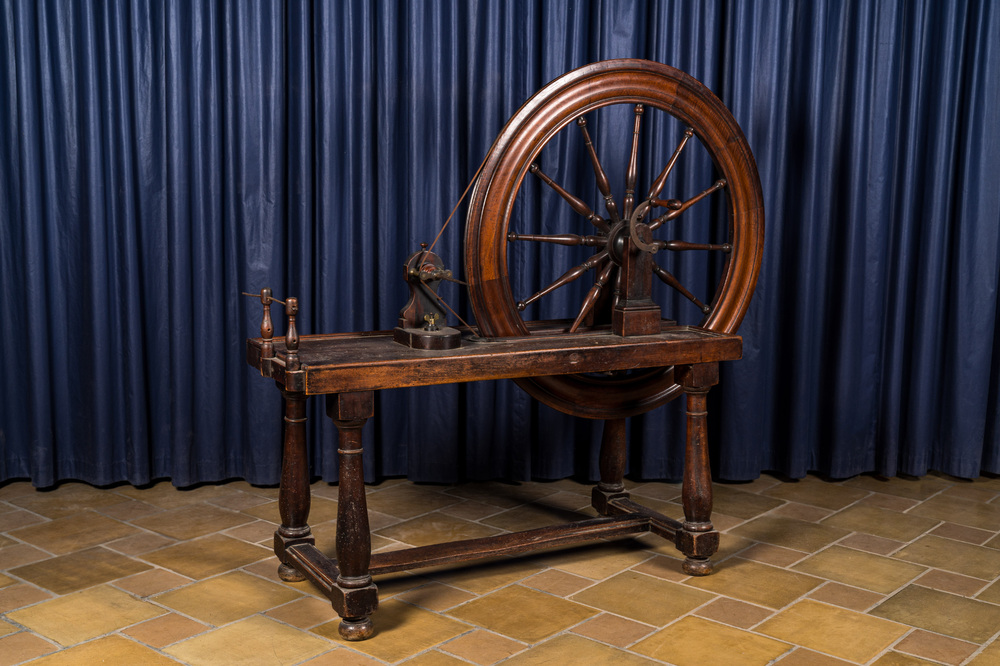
(577,204)
(565,278)
(675,207)
(561,239)
(632,174)
(661,180)
(603,184)
(682,246)
(671,281)
(592,296)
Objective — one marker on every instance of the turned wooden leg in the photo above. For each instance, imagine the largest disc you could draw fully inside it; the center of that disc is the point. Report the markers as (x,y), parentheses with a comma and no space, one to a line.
(614,448)
(349,412)
(699,540)
(293,496)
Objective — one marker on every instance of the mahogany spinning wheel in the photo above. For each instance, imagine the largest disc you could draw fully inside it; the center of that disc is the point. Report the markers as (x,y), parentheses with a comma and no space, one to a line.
(616,356)
(622,261)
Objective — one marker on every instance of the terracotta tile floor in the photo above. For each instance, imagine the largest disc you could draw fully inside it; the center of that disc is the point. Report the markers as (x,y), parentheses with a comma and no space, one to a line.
(864,571)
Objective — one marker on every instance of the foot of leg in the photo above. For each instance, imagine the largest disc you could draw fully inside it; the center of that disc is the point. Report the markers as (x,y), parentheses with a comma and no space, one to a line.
(356,628)
(698,566)
(289,574)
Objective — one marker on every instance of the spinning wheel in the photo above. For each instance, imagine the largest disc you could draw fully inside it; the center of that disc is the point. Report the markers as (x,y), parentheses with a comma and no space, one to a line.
(617,235)
(614,356)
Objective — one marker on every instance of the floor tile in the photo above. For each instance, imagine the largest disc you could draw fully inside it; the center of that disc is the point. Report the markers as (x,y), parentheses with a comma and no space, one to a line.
(483,647)
(436,596)
(151,582)
(255,640)
(164,630)
(665,492)
(435,658)
(956,556)
(598,561)
(6,628)
(84,615)
(942,613)
(854,567)
(936,647)
(846,596)
(963,533)
(794,534)
(614,630)
(756,583)
(304,612)
(138,544)
(834,631)
(401,631)
(988,657)
(990,594)
(736,613)
(408,501)
(227,598)
(694,641)
(556,582)
(207,556)
(471,510)
(891,502)
(798,511)
(108,650)
(584,651)
(739,504)
(532,516)
(804,657)
(961,511)
(777,556)
(189,522)
(523,614)
(167,496)
(964,586)
(76,571)
(881,522)
(65,500)
(258,531)
(436,528)
(668,568)
(129,509)
(19,596)
(483,576)
(18,554)
(871,544)
(817,493)
(504,495)
(643,598)
(11,520)
(900,659)
(918,489)
(21,647)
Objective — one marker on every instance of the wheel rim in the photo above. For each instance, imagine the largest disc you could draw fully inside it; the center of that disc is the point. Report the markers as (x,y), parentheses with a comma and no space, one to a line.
(529,131)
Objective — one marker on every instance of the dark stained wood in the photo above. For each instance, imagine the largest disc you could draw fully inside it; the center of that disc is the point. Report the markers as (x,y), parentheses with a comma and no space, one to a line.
(618,361)
(371,361)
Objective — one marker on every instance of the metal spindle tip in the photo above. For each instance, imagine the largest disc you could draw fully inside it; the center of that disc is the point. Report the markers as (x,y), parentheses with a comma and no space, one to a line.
(689,132)
(720,183)
(582,121)
(639,108)
(727,247)
(521,305)
(533,168)
(705,309)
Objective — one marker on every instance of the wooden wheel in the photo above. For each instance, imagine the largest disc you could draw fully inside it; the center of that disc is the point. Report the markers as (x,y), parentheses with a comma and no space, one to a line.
(621,245)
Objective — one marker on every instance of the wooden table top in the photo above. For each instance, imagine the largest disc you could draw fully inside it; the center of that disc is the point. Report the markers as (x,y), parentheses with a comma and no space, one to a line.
(345,362)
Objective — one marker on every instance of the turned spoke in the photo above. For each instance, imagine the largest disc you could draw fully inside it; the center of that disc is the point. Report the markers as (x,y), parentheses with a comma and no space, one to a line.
(577,204)
(592,296)
(603,184)
(671,281)
(661,180)
(561,239)
(675,207)
(565,279)
(632,174)
(683,246)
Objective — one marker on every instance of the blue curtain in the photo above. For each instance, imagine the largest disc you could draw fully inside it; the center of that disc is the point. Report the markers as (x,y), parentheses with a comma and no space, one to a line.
(157,158)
